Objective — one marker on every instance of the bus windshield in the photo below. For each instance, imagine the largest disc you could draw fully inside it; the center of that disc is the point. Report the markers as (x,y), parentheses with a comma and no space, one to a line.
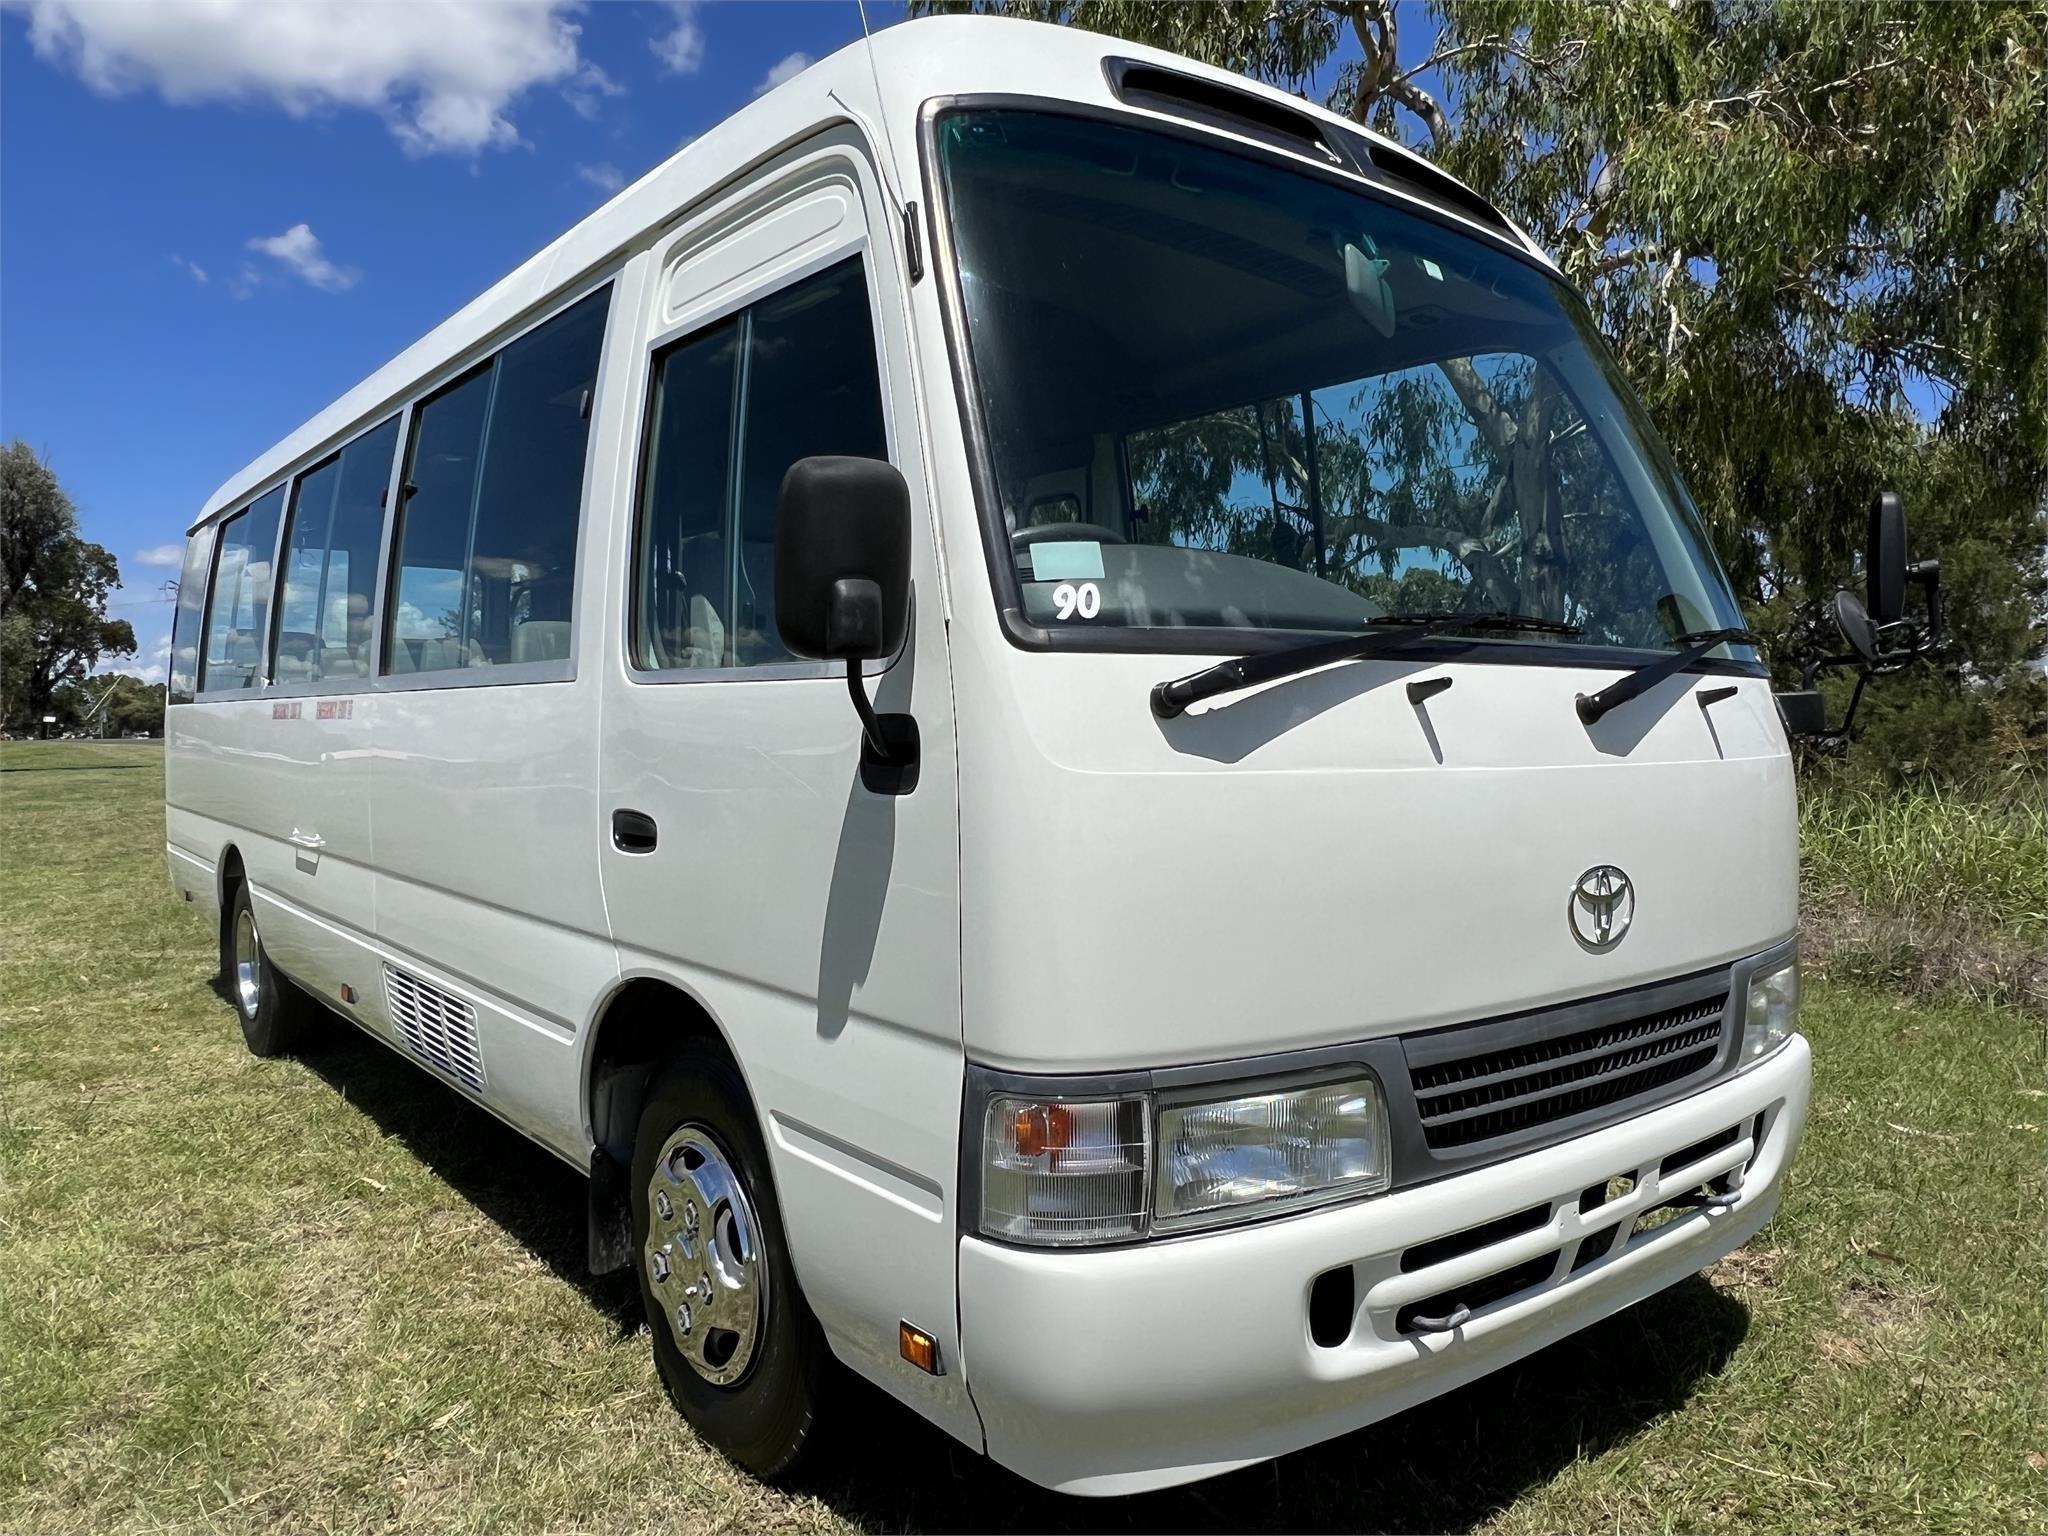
(1222,395)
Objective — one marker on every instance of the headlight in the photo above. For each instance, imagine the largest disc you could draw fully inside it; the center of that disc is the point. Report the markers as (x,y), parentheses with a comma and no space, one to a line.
(1773,1010)
(1301,1145)
(1062,1172)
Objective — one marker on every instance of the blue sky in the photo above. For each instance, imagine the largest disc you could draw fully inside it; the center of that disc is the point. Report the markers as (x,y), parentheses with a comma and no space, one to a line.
(215,220)
(206,236)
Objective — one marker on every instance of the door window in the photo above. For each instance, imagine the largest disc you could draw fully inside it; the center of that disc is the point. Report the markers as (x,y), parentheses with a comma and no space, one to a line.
(733,406)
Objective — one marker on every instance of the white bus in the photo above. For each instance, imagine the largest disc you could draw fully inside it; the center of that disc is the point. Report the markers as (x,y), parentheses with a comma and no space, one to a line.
(1059,717)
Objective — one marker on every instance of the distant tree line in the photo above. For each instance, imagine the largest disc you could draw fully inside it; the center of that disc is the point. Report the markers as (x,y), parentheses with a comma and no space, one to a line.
(54,585)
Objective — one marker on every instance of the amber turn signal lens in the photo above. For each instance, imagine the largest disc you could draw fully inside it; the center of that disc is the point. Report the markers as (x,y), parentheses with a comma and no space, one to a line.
(919,1348)
(1042,1128)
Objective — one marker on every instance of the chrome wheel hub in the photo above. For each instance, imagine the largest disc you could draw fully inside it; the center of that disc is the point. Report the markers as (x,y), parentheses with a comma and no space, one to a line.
(248,978)
(703,1256)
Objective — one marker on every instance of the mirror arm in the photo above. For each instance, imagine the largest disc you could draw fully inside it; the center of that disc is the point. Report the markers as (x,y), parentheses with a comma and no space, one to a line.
(1841,732)
(1813,669)
(1928,574)
(870,723)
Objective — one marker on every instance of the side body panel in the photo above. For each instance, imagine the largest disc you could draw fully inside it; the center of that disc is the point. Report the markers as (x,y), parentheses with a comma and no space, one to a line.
(485,806)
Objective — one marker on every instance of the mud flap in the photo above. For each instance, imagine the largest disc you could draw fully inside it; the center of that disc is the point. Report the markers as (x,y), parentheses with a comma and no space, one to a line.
(609,1243)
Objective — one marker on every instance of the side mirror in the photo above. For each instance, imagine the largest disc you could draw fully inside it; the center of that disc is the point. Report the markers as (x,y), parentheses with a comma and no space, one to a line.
(1857,626)
(1885,561)
(1804,712)
(842,590)
(842,559)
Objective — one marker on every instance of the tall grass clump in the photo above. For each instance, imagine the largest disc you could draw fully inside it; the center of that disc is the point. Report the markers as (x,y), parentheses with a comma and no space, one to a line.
(1930,886)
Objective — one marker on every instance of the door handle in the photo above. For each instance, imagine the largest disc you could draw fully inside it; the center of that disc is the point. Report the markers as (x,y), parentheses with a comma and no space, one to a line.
(633,832)
(308,839)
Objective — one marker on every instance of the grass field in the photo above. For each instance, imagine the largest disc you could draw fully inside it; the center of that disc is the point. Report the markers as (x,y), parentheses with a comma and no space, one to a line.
(328,1295)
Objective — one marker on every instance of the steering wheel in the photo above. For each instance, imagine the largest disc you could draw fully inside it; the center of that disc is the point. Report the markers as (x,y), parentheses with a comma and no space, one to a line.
(1024,538)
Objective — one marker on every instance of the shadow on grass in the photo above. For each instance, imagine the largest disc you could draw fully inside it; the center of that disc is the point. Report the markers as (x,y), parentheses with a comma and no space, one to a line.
(1444,1466)
(532,1194)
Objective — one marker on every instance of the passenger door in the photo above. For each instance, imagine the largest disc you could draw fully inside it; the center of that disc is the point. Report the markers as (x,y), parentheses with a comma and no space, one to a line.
(816,921)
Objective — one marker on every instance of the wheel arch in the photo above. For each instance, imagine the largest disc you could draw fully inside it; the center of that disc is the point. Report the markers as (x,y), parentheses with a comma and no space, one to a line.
(637,1027)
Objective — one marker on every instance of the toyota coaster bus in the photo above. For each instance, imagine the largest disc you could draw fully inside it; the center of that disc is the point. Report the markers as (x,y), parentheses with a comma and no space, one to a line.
(1059,716)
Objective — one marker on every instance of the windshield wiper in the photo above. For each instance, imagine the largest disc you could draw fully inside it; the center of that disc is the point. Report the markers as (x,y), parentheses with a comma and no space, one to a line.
(1696,644)
(1172,698)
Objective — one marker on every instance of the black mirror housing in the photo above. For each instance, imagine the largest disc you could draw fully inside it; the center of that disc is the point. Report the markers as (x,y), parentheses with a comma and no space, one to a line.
(1857,627)
(854,622)
(842,558)
(1885,559)
(1804,712)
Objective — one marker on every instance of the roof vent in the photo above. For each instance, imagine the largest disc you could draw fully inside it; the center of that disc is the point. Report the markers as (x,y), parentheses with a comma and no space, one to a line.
(1417,176)
(1219,106)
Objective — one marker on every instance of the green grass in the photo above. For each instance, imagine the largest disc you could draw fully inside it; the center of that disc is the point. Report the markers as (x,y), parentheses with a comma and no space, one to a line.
(1929,890)
(1935,850)
(326,1294)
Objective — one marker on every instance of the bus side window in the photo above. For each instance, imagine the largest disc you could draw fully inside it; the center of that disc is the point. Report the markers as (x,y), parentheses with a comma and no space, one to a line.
(238,606)
(486,567)
(184,678)
(330,562)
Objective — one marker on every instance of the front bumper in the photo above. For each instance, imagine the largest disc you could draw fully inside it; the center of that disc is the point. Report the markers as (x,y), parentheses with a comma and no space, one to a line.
(1126,1369)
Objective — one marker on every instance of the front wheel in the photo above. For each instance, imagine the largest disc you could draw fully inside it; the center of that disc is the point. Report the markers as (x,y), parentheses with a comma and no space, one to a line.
(736,1346)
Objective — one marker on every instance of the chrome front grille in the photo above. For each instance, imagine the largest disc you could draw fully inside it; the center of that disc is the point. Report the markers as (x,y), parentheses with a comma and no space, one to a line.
(436,1026)
(1543,1077)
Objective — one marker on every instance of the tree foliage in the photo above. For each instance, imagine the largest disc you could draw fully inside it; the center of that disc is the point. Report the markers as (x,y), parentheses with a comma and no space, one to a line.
(112,704)
(1815,235)
(53,590)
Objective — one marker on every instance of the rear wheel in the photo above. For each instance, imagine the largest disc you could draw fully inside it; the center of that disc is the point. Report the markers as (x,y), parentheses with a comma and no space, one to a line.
(737,1348)
(272,1011)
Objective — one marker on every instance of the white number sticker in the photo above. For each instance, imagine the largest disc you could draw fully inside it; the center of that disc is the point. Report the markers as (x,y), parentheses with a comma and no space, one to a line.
(1069,599)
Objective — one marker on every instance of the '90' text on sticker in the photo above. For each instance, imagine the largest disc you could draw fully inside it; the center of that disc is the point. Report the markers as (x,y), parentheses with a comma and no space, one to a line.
(1070,600)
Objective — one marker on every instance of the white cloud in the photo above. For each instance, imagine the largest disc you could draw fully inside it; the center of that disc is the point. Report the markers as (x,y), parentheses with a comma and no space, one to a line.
(443,74)
(587,89)
(791,66)
(163,556)
(190,267)
(153,671)
(298,249)
(606,178)
(681,48)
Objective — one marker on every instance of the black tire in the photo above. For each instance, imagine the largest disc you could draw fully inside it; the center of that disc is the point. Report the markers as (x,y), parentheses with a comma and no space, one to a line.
(274,1014)
(765,1420)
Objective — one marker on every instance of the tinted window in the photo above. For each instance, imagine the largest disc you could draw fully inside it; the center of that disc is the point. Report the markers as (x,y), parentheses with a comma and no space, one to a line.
(486,568)
(191,612)
(685,579)
(238,607)
(811,387)
(330,563)
(794,375)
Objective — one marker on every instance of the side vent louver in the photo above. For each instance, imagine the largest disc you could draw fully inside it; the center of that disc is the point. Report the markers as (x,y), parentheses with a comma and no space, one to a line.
(436,1026)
